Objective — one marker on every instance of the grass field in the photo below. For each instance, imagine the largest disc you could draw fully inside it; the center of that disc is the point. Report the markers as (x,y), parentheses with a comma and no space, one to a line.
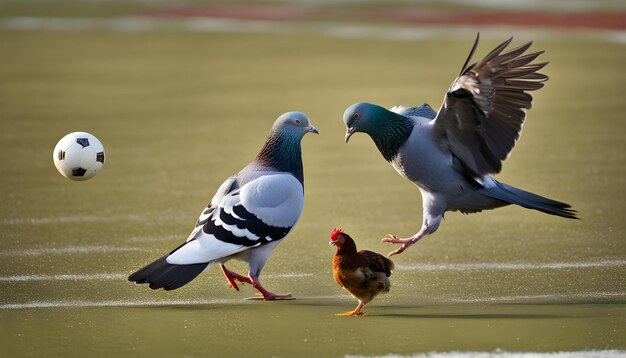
(179,111)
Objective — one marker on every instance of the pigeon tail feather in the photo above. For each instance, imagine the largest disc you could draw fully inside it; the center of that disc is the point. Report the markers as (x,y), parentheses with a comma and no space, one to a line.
(529,200)
(161,274)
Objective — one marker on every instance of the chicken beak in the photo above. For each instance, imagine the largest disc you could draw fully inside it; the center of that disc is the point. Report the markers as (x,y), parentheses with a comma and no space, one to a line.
(349,133)
(332,243)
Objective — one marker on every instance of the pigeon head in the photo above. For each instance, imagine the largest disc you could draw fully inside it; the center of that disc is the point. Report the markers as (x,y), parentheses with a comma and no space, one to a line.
(282,150)
(293,124)
(388,130)
(362,117)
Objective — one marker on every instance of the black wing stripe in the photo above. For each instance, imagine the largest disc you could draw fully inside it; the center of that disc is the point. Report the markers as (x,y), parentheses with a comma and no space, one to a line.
(253,224)
(259,228)
(240,211)
(231,220)
(266,233)
(224,235)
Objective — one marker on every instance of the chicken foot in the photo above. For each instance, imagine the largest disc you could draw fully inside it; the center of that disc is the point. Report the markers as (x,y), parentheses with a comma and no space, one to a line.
(357,311)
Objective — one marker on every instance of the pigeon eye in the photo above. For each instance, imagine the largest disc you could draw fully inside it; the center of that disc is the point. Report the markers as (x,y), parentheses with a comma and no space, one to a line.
(355,116)
(297,121)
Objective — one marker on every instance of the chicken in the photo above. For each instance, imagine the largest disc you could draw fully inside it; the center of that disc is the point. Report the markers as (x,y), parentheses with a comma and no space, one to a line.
(364,274)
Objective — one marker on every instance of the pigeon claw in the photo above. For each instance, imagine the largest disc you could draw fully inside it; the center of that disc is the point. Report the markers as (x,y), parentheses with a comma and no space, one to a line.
(398,251)
(271,297)
(233,277)
(393,239)
(265,294)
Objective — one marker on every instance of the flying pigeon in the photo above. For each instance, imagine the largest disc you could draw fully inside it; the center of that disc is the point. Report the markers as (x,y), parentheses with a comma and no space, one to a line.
(450,155)
(247,218)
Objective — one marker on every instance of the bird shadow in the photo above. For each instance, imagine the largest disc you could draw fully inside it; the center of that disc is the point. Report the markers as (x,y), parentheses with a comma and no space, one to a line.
(566,303)
(477,312)
(421,312)
(239,303)
(469,316)
(182,307)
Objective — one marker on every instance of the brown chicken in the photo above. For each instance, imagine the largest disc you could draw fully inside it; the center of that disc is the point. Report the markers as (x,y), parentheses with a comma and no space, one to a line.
(364,274)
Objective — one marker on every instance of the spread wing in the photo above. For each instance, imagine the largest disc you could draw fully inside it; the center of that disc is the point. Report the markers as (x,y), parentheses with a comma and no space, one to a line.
(483,111)
(377,262)
(239,218)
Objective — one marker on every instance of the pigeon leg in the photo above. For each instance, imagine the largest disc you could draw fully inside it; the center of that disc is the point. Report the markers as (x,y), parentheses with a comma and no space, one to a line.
(232,276)
(357,311)
(392,239)
(267,295)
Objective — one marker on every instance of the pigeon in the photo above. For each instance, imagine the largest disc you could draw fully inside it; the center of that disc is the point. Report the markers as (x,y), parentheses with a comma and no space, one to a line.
(250,214)
(450,154)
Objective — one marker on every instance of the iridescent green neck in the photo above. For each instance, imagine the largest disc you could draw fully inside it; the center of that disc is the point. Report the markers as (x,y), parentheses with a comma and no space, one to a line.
(390,133)
(283,153)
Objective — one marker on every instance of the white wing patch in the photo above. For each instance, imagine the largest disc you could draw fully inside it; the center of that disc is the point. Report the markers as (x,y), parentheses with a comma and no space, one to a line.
(278,200)
(203,249)
(261,211)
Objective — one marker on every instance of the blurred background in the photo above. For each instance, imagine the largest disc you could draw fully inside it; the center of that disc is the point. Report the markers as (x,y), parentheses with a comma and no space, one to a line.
(182,94)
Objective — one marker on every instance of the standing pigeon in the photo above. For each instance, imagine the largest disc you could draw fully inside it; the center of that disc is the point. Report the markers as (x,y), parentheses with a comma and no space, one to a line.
(450,154)
(247,218)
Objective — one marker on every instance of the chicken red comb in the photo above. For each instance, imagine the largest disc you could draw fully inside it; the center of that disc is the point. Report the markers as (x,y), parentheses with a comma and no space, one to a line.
(335,234)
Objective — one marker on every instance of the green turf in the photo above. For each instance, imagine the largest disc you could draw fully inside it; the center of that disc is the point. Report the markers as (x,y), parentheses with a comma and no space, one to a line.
(179,112)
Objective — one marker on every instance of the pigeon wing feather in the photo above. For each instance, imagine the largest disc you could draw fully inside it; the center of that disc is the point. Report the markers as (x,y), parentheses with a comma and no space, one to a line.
(484,109)
(260,211)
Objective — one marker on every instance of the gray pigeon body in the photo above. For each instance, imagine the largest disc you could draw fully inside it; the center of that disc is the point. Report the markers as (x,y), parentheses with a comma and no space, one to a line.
(450,154)
(249,215)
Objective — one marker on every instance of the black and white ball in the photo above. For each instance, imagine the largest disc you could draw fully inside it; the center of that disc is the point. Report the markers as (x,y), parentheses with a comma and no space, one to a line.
(78,156)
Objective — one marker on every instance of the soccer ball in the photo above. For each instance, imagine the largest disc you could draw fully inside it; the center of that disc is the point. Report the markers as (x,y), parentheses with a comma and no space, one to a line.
(78,156)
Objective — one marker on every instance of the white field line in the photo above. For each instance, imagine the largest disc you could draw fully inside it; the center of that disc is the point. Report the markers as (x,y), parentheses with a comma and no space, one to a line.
(70,219)
(422,267)
(67,277)
(336,30)
(510,266)
(583,296)
(115,303)
(126,303)
(505,354)
(111,276)
(289,275)
(451,300)
(67,250)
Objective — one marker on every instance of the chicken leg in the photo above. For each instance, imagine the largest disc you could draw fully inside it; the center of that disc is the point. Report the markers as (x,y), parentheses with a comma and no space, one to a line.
(357,311)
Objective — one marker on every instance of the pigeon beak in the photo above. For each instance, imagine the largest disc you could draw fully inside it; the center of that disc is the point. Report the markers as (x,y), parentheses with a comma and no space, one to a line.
(313,130)
(349,133)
